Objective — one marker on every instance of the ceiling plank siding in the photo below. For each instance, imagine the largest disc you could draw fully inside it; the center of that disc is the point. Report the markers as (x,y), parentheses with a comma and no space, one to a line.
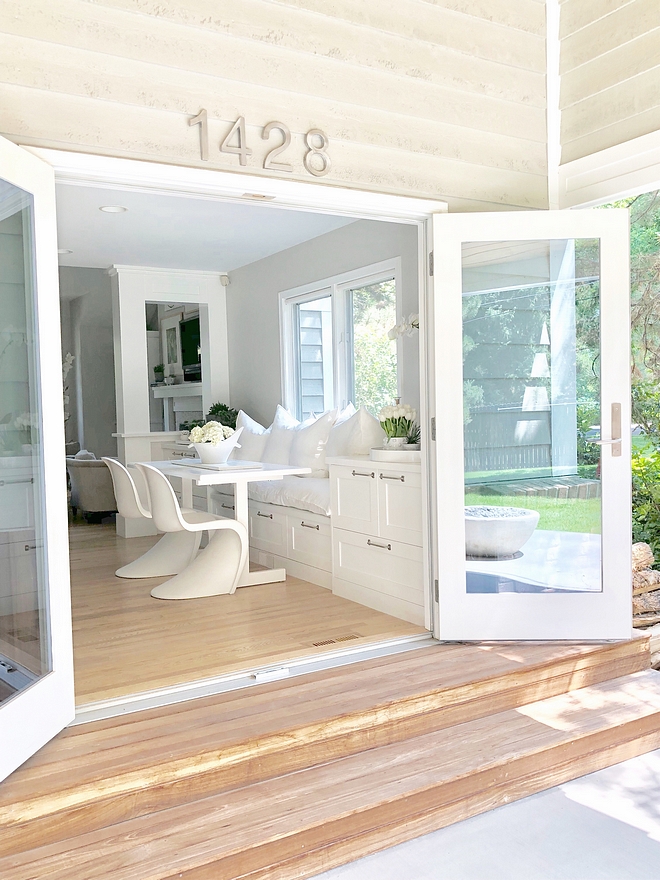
(441,98)
(87,74)
(610,66)
(122,130)
(578,14)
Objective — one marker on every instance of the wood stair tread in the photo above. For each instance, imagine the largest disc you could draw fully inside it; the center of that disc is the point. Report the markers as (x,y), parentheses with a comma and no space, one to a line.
(373,798)
(366,704)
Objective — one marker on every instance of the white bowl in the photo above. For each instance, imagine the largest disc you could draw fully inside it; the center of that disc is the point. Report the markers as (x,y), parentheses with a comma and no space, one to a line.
(493,532)
(219,453)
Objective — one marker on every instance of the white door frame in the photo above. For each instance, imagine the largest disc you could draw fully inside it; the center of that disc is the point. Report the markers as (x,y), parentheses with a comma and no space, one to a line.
(33,716)
(604,615)
(86,169)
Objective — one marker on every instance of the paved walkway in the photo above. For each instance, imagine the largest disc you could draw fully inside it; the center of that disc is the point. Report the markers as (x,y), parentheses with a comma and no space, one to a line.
(605,826)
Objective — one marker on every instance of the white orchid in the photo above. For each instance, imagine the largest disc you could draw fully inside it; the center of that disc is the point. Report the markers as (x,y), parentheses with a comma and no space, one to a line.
(211,432)
(405,327)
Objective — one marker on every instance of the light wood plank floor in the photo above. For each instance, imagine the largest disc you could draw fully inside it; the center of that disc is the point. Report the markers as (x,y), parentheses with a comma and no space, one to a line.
(126,642)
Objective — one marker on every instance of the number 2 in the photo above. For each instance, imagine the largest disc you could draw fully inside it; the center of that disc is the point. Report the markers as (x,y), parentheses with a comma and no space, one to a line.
(286,134)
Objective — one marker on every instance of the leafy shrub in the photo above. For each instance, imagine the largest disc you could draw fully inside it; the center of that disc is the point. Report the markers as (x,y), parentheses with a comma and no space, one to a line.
(587,415)
(646,498)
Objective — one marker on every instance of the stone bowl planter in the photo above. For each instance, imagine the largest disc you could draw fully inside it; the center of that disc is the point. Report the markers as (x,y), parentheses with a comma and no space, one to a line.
(497,532)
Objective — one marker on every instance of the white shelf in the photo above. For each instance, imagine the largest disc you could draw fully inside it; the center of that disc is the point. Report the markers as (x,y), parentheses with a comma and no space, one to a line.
(187,389)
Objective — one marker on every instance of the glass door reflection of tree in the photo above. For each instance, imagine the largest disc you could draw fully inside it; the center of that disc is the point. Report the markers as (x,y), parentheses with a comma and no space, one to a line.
(531,386)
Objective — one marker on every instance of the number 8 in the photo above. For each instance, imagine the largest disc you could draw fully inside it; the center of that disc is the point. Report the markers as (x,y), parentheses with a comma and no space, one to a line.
(317,151)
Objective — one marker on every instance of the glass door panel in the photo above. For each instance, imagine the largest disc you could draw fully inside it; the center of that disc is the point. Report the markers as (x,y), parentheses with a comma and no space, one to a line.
(24,622)
(531,398)
(533,404)
(36,661)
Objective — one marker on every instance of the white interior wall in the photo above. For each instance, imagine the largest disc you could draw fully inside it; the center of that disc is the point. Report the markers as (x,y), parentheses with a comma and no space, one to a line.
(253,305)
(88,334)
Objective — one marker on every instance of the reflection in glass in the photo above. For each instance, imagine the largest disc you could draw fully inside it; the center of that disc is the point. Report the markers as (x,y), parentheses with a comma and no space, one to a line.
(531,391)
(315,356)
(374,357)
(24,641)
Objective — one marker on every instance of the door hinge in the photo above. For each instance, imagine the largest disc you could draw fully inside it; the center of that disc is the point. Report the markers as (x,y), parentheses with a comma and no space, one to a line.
(433,428)
(431,267)
(436,590)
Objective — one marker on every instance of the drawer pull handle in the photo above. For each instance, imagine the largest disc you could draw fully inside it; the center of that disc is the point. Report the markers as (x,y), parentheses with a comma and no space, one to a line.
(228,506)
(386,477)
(362,474)
(307,526)
(265,515)
(30,547)
(381,546)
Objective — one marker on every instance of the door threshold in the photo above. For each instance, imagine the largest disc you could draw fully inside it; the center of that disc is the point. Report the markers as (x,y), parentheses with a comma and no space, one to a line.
(218,684)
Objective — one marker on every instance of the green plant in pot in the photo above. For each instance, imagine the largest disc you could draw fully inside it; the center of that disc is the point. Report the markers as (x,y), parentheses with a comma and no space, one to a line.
(159,372)
(223,414)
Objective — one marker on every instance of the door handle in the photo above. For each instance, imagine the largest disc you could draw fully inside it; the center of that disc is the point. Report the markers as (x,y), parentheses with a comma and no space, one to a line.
(615,441)
(380,546)
(362,474)
(228,506)
(265,515)
(307,526)
(386,477)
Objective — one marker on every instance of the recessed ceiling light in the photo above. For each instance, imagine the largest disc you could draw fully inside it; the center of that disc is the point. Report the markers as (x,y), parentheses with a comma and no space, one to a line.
(64,251)
(113,209)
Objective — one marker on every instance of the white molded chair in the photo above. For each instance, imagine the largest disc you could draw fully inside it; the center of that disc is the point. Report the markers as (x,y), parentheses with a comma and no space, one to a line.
(217,568)
(172,553)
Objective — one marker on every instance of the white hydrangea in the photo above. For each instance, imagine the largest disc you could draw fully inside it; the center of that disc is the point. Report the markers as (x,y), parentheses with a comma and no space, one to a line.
(211,432)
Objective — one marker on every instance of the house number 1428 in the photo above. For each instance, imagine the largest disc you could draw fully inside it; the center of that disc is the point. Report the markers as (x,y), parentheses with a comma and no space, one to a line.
(316,160)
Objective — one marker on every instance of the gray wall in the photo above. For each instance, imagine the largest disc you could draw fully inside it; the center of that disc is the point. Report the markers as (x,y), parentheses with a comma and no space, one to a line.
(87,329)
(253,305)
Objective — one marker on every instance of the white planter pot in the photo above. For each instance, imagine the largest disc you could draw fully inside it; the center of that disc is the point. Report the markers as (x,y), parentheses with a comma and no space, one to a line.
(394,442)
(497,532)
(219,453)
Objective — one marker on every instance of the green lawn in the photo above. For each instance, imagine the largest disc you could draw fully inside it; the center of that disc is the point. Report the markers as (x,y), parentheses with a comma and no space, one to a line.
(557,514)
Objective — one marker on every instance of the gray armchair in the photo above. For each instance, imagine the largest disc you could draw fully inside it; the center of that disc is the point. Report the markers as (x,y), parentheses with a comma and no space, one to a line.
(91,486)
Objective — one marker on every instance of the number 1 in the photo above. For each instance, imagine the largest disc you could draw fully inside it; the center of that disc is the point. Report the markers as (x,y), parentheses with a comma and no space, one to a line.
(202,119)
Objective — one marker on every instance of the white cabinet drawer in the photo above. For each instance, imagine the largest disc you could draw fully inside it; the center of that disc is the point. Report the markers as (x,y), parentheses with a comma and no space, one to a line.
(268,529)
(309,540)
(400,505)
(387,567)
(354,498)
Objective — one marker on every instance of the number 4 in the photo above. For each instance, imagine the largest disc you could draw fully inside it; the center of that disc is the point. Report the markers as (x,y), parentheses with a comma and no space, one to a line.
(242,150)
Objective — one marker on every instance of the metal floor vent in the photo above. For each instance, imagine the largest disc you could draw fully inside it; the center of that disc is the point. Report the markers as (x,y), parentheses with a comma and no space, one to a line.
(336,641)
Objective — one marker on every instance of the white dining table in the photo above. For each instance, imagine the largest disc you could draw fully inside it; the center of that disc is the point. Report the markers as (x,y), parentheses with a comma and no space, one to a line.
(241,474)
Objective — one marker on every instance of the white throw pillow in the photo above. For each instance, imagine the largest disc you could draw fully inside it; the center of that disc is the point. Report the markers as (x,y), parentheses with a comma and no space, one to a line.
(253,439)
(356,435)
(309,442)
(278,444)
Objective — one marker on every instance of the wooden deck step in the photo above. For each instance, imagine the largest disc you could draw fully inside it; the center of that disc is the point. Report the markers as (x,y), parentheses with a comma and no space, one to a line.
(301,823)
(106,772)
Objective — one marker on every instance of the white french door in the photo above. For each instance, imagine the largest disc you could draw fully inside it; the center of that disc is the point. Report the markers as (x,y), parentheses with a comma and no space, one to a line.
(532,407)
(36,660)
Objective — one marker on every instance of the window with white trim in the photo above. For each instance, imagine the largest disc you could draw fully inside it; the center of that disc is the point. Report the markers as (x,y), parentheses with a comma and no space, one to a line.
(335,343)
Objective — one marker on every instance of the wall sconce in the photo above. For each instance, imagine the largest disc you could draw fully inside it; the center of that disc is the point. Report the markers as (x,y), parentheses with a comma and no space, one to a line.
(224,279)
